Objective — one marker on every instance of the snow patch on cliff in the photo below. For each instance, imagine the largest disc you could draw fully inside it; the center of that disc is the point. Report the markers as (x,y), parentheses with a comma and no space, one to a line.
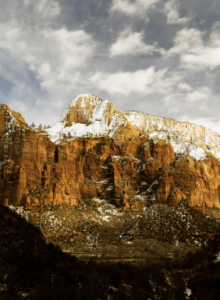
(98,123)
(135,118)
(186,138)
(12,119)
(180,144)
(75,101)
(58,131)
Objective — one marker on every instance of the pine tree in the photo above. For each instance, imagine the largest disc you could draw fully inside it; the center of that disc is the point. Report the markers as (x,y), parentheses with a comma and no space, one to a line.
(32,125)
(40,126)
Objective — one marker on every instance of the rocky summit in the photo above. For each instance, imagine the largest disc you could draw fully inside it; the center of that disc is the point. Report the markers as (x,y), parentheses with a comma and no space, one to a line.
(108,186)
(95,152)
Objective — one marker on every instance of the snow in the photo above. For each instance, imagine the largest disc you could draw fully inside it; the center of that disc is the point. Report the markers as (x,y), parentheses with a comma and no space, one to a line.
(143,183)
(168,278)
(110,188)
(217,260)
(12,118)
(139,198)
(150,188)
(99,110)
(20,210)
(75,101)
(98,200)
(102,120)
(188,292)
(179,144)
(106,218)
(197,152)
(117,157)
(135,118)
(104,181)
(76,130)
(97,126)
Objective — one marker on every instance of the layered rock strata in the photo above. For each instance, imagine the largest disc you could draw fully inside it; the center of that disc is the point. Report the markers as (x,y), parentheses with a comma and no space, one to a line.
(95,152)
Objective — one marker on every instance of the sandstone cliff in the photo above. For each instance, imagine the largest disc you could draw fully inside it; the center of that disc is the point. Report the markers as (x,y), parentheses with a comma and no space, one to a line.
(97,152)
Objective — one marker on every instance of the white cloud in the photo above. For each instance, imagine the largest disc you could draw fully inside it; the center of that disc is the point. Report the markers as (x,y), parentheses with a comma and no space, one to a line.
(46,8)
(132,43)
(137,8)
(172,97)
(207,122)
(184,86)
(141,81)
(55,55)
(185,93)
(215,34)
(19,106)
(170,9)
(209,57)
(125,83)
(147,3)
(199,98)
(124,6)
(187,40)
(173,110)
(44,69)
(189,45)
(201,94)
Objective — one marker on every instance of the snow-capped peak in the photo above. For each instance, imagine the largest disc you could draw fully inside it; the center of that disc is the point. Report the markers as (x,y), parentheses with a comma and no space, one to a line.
(85,108)
(83,97)
(87,115)
(91,116)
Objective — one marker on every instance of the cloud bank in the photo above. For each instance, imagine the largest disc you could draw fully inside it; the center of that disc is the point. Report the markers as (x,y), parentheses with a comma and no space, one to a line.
(161,57)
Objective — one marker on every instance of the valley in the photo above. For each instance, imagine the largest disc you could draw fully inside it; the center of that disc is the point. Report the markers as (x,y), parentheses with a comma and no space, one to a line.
(109,193)
(34,266)
(108,233)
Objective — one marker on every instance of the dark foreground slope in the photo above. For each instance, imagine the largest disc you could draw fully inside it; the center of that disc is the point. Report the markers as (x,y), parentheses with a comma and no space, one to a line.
(32,269)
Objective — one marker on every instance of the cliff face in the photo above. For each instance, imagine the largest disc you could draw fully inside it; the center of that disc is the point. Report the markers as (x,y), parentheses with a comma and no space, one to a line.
(94,151)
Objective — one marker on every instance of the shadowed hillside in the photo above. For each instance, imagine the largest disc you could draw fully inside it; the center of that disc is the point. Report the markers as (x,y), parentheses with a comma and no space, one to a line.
(33,269)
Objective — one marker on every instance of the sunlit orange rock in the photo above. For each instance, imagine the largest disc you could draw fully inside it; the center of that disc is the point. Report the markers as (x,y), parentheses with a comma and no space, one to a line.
(127,168)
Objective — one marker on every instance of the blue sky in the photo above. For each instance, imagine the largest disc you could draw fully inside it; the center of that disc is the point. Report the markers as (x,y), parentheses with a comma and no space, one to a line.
(158,57)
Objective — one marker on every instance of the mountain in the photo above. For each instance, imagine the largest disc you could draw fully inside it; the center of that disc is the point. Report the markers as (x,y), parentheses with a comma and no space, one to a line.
(33,270)
(90,116)
(129,159)
(114,186)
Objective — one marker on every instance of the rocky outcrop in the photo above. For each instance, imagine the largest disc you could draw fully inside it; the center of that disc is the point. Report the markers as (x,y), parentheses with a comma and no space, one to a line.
(127,158)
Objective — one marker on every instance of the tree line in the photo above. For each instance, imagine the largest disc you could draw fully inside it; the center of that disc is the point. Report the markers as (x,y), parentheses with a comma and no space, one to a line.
(40,126)
(29,265)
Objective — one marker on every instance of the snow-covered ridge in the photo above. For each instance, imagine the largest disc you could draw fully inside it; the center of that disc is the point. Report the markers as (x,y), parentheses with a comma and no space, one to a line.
(10,120)
(91,116)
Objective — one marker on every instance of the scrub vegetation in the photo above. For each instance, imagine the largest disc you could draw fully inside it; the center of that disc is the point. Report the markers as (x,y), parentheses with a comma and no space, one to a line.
(33,269)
